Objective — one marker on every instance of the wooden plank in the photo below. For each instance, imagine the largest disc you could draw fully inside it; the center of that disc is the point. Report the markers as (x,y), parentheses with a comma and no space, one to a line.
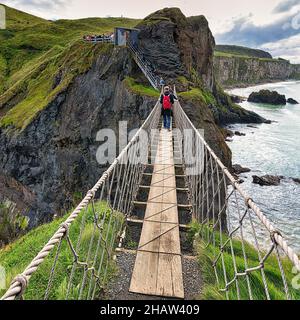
(158,269)
(169,278)
(144,276)
(160,237)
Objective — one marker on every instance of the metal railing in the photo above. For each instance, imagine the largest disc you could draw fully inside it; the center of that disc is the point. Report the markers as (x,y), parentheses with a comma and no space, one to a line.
(144,65)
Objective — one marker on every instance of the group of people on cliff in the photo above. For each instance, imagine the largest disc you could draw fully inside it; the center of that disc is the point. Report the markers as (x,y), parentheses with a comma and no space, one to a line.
(99,38)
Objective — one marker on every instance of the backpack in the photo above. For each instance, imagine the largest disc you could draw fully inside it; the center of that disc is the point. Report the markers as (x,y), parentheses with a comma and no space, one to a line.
(167,103)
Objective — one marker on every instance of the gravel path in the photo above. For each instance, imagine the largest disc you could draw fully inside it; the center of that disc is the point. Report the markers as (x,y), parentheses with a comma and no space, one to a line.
(119,287)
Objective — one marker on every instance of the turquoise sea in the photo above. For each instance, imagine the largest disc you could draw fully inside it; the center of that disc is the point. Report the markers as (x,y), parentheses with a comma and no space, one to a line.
(273,149)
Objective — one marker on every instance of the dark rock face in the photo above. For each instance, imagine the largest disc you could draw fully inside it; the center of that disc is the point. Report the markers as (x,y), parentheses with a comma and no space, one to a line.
(267,180)
(237,71)
(55,156)
(181,50)
(178,46)
(237,99)
(230,112)
(297,180)
(238,169)
(239,134)
(267,96)
(292,101)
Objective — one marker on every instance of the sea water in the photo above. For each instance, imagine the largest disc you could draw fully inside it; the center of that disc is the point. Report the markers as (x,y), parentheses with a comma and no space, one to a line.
(273,149)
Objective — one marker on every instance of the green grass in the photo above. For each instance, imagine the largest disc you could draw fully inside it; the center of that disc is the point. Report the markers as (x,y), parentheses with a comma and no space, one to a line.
(207,254)
(185,82)
(140,89)
(240,56)
(242,51)
(16,256)
(198,94)
(34,87)
(204,96)
(27,36)
(32,53)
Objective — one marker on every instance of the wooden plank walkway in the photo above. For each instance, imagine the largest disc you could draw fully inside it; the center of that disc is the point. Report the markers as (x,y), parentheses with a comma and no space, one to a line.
(158,268)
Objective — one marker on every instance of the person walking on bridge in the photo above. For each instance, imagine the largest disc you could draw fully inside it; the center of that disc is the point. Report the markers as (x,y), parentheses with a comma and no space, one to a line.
(167,101)
(161,82)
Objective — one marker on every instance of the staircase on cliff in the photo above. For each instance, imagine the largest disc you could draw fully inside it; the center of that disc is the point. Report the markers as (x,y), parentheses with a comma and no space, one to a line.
(144,65)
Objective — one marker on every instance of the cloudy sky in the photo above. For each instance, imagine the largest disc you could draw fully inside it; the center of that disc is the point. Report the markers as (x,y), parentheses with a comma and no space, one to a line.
(273,25)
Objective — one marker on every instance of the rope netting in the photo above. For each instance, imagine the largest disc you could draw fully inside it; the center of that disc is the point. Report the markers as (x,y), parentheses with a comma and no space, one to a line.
(250,258)
(77,261)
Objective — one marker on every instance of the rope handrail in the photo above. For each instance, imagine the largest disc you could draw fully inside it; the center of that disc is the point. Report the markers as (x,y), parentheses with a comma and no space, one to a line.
(240,240)
(248,200)
(222,208)
(20,283)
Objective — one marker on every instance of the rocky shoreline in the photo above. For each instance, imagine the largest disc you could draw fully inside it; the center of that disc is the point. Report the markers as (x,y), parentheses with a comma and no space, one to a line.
(270,97)
(264,180)
(237,169)
(228,88)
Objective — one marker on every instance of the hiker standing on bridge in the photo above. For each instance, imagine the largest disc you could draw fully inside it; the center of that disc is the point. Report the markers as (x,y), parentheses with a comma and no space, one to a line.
(167,101)
(162,82)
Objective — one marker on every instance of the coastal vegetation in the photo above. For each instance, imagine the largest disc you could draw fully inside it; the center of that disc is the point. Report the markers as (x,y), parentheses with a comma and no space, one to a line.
(16,256)
(42,80)
(232,50)
(207,254)
(40,58)
(140,89)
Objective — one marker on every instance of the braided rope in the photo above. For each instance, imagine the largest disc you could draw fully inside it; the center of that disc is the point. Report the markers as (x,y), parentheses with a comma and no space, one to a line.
(204,188)
(280,241)
(20,283)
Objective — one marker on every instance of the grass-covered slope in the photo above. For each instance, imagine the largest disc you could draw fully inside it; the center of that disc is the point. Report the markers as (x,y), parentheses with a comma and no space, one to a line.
(16,256)
(40,81)
(208,253)
(231,50)
(27,36)
(140,89)
(33,54)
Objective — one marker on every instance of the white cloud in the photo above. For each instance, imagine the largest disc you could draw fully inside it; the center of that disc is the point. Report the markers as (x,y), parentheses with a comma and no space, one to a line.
(286,6)
(286,48)
(254,24)
(43,8)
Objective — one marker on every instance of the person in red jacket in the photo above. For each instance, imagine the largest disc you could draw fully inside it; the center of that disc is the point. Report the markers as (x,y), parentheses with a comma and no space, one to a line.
(167,101)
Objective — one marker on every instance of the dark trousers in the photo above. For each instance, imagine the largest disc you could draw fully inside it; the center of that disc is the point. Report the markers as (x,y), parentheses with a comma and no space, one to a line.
(167,119)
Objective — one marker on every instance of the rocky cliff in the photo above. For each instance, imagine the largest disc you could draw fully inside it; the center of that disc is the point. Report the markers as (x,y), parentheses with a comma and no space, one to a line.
(181,50)
(50,117)
(240,71)
(53,159)
(178,46)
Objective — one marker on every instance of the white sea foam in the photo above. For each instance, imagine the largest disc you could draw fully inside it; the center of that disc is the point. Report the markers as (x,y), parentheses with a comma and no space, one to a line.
(273,149)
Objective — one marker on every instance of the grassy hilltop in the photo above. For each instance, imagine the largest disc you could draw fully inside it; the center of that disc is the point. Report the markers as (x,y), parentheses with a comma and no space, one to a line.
(35,52)
(239,51)
(27,36)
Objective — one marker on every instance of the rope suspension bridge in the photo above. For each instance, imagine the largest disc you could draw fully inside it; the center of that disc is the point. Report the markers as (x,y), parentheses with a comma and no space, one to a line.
(83,247)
